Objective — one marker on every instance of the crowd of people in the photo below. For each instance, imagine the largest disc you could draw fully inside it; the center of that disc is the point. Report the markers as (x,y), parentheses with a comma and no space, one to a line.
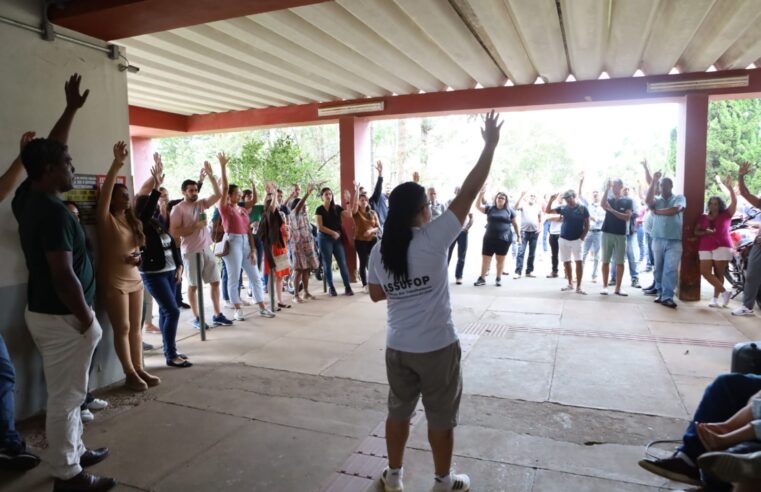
(148,245)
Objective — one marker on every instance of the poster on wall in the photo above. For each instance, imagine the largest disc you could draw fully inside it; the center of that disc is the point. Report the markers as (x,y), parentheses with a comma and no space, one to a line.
(85,194)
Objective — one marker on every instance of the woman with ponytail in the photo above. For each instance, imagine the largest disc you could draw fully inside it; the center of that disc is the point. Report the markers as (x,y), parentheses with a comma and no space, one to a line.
(409,270)
(120,238)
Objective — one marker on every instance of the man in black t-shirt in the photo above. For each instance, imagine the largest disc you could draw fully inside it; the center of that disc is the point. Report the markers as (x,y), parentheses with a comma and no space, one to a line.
(572,234)
(60,296)
(615,228)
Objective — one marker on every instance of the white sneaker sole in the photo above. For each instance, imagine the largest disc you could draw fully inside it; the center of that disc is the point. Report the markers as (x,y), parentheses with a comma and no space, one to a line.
(730,467)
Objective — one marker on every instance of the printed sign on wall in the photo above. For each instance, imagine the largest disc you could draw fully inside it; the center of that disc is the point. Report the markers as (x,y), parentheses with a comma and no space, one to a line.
(85,194)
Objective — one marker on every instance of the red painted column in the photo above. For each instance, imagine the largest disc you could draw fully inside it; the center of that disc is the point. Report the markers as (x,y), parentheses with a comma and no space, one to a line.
(692,135)
(354,136)
(142,160)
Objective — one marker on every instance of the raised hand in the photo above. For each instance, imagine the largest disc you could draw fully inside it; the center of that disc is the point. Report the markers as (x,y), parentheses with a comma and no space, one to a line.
(379,167)
(120,153)
(581,175)
(554,197)
(25,139)
(157,172)
(727,181)
(347,196)
(75,100)
(490,131)
(202,175)
(156,158)
(223,159)
(744,169)
(207,168)
(523,193)
(416,177)
(310,188)
(657,176)
(644,162)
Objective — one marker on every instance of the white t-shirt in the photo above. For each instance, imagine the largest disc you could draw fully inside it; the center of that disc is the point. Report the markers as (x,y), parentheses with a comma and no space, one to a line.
(419,312)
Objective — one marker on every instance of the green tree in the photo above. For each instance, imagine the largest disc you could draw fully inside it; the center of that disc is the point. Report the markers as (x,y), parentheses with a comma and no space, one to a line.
(734,128)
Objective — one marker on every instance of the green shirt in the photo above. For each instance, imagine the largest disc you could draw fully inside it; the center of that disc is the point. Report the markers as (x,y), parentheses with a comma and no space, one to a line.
(45,224)
(256,213)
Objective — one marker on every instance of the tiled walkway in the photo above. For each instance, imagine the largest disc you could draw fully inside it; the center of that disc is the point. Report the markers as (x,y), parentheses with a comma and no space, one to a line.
(562,392)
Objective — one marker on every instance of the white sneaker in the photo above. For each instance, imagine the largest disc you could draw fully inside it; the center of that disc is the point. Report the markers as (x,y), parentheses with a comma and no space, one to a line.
(266,313)
(725,297)
(365,289)
(229,305)
(452,482)
(244,303)
(604,292)
(87,416)
(97,404)
(742,311)
(392,481)
(238,315)
(714,303)
(516,276)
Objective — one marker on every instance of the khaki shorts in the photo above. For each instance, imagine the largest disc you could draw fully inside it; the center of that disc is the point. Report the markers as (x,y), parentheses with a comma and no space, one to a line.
(613,247)
(436,375)
(209,269)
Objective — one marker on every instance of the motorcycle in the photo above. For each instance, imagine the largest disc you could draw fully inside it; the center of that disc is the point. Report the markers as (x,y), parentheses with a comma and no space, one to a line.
(743,237)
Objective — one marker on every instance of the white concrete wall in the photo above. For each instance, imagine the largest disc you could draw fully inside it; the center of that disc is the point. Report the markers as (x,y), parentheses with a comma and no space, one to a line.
(31,98)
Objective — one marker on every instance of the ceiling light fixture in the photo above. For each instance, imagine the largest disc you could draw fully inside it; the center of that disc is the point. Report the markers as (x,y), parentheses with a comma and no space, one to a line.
(699,84)
(351,109)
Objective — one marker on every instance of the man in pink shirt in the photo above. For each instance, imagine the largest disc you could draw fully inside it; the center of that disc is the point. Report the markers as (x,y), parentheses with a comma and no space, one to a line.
(189,222)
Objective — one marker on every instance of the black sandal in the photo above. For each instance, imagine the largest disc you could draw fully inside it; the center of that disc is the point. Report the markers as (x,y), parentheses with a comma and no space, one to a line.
(182,364)
(281,305)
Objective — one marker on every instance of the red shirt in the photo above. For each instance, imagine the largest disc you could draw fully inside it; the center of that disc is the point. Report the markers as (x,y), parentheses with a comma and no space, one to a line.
(234,219)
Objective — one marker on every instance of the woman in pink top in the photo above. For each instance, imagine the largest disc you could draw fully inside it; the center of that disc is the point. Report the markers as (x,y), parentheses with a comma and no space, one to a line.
(242,251)
(715,247)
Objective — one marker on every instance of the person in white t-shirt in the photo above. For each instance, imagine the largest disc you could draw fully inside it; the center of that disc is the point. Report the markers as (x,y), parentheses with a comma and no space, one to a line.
(409,269)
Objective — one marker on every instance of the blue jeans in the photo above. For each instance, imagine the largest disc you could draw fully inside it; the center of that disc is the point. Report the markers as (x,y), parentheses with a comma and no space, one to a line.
(545,235)
(630,259)
(641,242)
(161,287)
(727,394)
(592,243)
(649,244)
(528,239)
(239,258)
(462,248)
(225,289)
(9,438)
(330,247)
(668,253)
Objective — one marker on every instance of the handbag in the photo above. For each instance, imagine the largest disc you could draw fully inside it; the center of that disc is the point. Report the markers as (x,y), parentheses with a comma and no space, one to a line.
(281,262)
(217,231)
(222,248)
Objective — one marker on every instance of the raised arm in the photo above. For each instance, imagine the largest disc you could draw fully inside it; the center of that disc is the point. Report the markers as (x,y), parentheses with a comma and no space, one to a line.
(300,205)
(347,205)
(10,178)
(648,177)
(104,198)
(157,177)
(355,199)
(477,176)
(548,207)
(520,198)
(727,183)
(74,101)
(581,183)
(149,184)
(225,198)
(479,202)
(375,197)
(215,186)
(650,198)
(752,199)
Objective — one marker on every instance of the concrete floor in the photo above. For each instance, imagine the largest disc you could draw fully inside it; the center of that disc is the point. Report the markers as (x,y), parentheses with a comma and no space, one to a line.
(562,392)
